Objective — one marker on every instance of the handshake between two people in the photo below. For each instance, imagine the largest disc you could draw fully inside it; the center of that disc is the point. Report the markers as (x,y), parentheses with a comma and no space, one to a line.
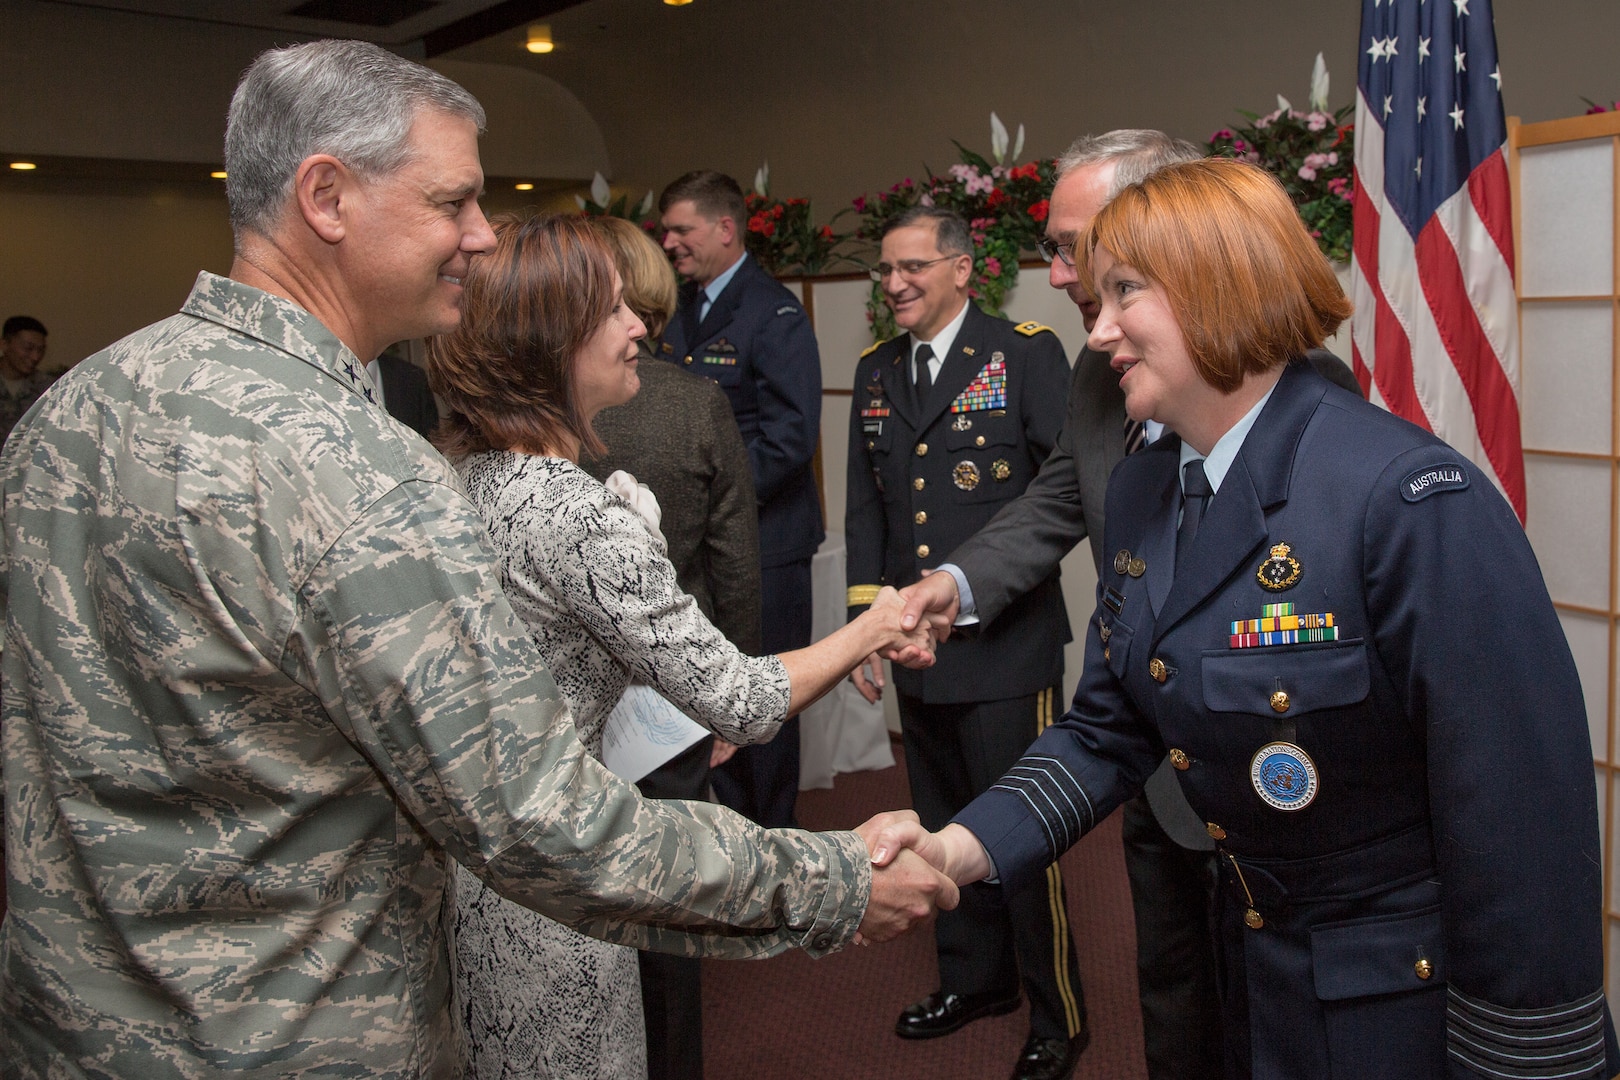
(915,872)
(928,606)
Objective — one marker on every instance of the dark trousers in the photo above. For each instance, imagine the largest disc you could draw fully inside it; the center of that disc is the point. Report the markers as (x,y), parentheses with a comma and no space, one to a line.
(1173,892)
(672,986)
(994,939)
(762,782)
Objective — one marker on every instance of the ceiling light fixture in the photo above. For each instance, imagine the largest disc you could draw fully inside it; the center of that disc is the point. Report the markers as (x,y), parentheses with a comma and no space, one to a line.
(24,166)
(523,187)
(677,3)
(540,39)
(217,175)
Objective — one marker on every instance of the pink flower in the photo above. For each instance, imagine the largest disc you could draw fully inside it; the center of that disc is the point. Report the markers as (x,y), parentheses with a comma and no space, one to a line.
(927,199)
(992,266)
(1224,133)
(1252,157)
(1307,173)
(1317,121)
(860,204)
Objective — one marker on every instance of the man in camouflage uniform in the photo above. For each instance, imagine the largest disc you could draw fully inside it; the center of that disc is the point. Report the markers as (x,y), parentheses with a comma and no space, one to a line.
(259,677)
(22,350)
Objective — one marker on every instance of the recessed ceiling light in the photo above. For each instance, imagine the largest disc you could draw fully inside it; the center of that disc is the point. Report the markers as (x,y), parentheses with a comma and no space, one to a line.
(523,187)
(677,3)
(539,39)
(24,166)
(217,175)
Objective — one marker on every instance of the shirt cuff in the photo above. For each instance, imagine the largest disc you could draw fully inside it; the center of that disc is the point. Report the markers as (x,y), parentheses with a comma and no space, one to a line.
(966,615)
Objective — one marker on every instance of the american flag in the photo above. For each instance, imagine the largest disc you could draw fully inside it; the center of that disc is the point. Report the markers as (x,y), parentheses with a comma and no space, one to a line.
(1435,333)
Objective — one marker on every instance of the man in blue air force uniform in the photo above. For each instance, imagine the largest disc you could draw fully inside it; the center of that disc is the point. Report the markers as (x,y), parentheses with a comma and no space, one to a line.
(740,327)
(949,423)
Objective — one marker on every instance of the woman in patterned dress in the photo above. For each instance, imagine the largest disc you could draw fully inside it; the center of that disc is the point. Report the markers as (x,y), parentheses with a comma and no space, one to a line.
(546,342)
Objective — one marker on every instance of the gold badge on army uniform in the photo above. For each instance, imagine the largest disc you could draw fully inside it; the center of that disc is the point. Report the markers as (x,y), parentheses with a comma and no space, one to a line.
(1000,469)
(1280,571)
(1122,561)
(965,475)
(962,423)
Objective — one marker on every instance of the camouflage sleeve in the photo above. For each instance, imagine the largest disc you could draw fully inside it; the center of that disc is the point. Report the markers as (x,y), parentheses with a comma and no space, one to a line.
(416,654)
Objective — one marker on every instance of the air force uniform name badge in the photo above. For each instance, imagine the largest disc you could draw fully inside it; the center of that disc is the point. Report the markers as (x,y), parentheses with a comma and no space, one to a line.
(1433,479)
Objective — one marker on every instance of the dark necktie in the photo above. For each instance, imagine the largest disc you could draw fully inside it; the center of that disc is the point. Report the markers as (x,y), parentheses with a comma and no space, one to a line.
(1195,493)
(1135,435)
(925,378)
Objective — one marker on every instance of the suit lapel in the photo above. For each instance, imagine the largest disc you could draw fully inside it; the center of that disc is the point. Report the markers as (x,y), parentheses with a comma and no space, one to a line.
(895,373)
(1103,441)
(724,305)
(1234,526)
(1157,547)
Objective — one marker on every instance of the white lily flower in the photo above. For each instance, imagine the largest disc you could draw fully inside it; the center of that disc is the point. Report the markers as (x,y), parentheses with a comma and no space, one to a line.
(1018,145)
(580,199)
(1319,85)
(1282,103)
(600,192)
(646,205)
(998,139)
(762,180)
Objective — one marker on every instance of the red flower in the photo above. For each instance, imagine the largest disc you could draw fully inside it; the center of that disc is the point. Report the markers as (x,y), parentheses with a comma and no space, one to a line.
(1030,171)
(995,198)
(1039,210)
(761,224)
(825,232)
(776,211)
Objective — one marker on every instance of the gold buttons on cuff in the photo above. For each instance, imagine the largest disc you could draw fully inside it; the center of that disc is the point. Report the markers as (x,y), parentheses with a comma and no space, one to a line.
(922,551)
(1157,669)
(1179,760)
(1280,702)
(922,449)
(918,484)
(1423,968)
(979,441)
(1214,830)
(1252,919)
(921,517)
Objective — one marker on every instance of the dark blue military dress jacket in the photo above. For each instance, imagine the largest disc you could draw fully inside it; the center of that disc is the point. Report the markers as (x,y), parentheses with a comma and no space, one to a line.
(922,479)
(757,343)
(1405,813)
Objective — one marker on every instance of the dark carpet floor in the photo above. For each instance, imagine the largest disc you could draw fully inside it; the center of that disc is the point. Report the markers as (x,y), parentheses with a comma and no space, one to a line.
(792,1017)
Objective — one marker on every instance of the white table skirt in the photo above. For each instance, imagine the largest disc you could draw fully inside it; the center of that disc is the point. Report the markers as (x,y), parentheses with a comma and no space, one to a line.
(842,732)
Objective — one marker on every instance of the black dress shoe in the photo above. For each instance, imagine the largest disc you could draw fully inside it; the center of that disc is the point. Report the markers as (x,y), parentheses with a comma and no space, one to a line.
(1050,1059)
(941,1013)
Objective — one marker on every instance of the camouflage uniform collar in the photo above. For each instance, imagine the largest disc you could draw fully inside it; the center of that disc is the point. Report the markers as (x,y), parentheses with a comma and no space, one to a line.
(280,324)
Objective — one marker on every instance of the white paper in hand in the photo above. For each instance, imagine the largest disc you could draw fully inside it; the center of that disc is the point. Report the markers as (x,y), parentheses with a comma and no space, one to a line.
(643,731)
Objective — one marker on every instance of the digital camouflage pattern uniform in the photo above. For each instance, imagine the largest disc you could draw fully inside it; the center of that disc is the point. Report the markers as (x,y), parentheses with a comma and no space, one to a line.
(259,682)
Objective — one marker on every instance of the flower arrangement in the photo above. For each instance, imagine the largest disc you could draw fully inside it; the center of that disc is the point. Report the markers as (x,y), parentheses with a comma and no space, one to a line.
(1312,153)
(603,204)
(781,234)
(1005,206)
(1595,107)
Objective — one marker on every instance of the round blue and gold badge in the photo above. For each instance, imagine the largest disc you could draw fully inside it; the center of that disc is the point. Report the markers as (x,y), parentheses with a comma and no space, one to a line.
(1284,776)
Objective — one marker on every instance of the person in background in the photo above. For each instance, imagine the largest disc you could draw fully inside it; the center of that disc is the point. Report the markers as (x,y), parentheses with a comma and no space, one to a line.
(677,436)
(403,388)
(1294,615)
(545,343)
(739,327)
(22,350)
(949,422)
(260,683)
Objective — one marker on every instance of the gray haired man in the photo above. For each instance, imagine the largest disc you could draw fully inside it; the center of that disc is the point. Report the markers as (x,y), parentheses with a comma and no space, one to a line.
(1168,855)
(259,677)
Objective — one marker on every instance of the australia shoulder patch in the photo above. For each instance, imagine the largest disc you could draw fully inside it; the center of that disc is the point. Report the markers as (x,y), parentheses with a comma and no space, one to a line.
(1419,484)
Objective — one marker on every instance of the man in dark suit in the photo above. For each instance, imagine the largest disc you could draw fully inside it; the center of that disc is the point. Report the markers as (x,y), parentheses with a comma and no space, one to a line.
(405,392)
(741,328)
(1168,854)
(950,421)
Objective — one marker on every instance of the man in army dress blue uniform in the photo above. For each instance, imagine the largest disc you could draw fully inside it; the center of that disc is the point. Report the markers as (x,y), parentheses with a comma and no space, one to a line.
(949,423)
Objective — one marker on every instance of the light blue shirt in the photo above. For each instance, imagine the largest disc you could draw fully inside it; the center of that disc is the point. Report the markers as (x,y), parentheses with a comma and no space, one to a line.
(712,291)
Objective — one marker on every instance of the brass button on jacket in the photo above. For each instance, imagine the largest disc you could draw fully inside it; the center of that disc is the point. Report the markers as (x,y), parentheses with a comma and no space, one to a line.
(979,441)
(921,517)
(1157,669)
(922,551)
(919,483)
(922,449)
(1252,919)
(1179,759)
(1423,968)
(1214,830)
(1280,702)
